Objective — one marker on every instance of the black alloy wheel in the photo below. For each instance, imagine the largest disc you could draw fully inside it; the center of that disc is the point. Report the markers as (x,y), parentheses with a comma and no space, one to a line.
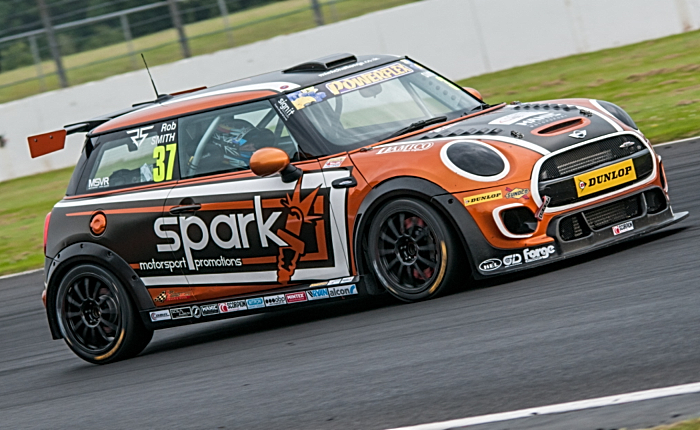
(96,316)
(412,250)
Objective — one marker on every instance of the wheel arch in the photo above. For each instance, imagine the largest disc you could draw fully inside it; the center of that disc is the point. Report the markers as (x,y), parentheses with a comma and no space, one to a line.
(411,187)
(91,253)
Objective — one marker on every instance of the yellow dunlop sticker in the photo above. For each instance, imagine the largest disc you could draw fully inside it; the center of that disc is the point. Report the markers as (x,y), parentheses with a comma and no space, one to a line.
(366,79)
(604,178)
(481,198)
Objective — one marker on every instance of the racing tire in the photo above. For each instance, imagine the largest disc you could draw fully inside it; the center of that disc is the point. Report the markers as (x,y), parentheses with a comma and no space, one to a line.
(412,250)
(97,318)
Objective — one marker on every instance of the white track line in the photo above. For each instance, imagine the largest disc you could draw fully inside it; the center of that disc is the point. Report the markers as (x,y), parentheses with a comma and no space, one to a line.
(562,407)
(676,141)
(13,275)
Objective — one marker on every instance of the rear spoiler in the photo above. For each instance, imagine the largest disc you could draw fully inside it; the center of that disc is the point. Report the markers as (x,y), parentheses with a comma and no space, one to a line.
(42,144)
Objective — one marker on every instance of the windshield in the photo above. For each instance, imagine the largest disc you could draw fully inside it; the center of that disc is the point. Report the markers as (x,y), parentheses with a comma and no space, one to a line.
(368,107)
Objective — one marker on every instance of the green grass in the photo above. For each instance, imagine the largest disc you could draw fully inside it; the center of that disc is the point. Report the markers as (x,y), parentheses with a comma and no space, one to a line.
(26,201)
(247,26)
(683,425)
(657,82)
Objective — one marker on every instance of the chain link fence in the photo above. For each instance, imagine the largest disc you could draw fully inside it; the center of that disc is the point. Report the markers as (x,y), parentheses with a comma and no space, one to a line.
(67,45)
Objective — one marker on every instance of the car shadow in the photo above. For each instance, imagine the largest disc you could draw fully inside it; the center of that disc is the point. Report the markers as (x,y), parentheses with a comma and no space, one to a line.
(252,324)
(579,259)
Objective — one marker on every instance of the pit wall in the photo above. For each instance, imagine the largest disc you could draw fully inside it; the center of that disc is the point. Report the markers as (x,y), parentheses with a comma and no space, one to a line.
(458,38)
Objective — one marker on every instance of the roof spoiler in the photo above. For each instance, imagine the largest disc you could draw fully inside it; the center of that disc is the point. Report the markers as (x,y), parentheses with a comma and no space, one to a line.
(322,64)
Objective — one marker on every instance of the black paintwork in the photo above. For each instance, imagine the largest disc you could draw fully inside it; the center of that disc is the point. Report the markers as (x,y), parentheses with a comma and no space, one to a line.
(479,125)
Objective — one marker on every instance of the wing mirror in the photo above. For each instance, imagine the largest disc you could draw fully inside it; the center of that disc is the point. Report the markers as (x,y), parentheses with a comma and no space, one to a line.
(268,161)
(473,92)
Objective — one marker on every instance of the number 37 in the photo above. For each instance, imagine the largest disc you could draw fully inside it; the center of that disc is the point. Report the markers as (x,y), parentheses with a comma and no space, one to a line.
(160,173)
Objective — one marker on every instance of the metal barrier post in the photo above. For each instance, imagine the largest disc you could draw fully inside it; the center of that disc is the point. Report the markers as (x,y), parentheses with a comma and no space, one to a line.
(318,16)
(224,16)
(37,61)
(177,22)
(53,45)
(124,18)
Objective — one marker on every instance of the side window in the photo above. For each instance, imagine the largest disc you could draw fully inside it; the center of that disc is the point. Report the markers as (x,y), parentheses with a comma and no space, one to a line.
(224,140)
(134,157)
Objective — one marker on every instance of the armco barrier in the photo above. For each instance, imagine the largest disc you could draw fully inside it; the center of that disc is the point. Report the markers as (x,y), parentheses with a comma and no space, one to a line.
(459,38)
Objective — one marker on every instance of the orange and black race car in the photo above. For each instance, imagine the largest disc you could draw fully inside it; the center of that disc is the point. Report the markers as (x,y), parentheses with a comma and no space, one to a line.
(335,178)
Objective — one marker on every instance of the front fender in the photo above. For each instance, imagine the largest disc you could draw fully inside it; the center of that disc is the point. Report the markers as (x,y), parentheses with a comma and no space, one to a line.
(460,220)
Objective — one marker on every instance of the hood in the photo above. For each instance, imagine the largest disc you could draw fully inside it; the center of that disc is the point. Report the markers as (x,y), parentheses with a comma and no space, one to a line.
(551,125)
(514,137)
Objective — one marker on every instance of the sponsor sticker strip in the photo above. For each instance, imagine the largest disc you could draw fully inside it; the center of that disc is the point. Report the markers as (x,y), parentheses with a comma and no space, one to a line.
(336,288)
(528,256)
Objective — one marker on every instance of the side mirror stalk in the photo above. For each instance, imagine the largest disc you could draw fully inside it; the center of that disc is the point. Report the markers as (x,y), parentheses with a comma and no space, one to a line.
(291,173)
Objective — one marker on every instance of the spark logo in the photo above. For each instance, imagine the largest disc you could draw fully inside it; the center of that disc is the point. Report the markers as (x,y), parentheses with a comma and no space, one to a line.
(234,231)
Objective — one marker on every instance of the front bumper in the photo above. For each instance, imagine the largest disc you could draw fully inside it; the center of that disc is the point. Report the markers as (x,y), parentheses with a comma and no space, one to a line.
(490,261)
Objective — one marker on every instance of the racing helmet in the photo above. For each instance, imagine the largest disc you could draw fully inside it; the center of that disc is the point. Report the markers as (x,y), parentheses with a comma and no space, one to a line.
(239,139)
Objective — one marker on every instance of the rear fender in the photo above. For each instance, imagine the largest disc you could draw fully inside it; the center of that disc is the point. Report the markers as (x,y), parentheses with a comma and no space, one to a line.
(87,252)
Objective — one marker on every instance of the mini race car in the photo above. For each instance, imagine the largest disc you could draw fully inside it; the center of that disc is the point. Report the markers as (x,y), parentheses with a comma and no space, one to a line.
(336,178)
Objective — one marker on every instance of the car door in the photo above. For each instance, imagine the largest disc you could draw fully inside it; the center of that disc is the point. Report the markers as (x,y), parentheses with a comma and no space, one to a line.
(129,177)
(235,232)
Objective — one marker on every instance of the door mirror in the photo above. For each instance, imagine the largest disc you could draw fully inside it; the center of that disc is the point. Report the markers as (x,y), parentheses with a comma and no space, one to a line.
(268,161)
(474,92)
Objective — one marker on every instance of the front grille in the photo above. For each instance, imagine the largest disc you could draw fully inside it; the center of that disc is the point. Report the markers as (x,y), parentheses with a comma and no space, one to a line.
(613,213)
(589,156)
(563,191)
(573,227)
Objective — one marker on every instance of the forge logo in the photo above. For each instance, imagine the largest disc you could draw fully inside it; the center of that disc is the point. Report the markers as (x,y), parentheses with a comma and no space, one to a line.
(262,233)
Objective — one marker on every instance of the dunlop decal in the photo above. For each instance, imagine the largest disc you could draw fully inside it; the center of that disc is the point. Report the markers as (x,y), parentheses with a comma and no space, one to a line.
(481,198)
(604,178)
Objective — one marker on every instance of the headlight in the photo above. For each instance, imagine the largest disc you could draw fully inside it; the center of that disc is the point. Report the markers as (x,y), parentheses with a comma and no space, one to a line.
(618,113)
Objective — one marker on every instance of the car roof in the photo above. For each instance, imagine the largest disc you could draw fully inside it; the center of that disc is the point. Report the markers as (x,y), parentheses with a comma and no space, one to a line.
(253,88)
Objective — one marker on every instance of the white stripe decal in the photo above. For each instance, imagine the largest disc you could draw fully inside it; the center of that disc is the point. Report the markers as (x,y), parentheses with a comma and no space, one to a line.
(248,185)
(271,86)
(580,405)
(518,142)
(159,195)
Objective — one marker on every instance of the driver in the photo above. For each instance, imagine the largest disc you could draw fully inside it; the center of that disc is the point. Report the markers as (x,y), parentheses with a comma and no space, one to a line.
(232,144)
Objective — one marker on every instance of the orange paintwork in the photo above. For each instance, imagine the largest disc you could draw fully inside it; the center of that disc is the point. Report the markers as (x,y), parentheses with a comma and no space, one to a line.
(98,224)
(268,161)
(179,108)
(46,143)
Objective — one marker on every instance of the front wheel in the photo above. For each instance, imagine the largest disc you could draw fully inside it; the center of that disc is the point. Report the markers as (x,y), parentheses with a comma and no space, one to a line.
(98,321)
(412,250)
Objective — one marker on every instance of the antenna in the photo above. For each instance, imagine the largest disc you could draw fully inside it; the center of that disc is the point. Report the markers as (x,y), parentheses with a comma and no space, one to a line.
(159,97)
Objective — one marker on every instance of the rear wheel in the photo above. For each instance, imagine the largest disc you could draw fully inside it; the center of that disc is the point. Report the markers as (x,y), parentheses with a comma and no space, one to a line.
(412,250)
(98,321)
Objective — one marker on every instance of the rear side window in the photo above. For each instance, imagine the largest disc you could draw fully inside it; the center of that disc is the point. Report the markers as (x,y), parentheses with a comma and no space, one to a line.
(140,156)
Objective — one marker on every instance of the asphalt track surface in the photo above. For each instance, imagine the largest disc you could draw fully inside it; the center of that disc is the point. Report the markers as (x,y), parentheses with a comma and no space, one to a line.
(624,319)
